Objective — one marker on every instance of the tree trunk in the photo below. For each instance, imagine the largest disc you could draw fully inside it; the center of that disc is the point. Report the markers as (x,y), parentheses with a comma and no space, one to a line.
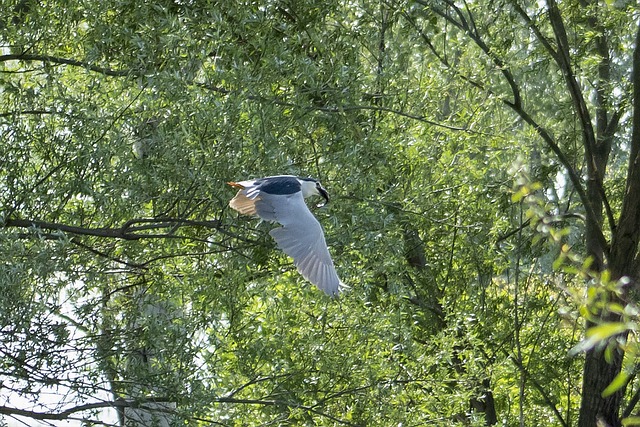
(598,373)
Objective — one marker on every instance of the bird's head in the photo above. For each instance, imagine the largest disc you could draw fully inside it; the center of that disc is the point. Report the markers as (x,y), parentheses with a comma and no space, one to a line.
(311,187)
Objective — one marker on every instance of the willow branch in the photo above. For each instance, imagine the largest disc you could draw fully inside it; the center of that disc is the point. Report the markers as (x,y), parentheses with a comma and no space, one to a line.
(65,61)
(68,413)
(131,230)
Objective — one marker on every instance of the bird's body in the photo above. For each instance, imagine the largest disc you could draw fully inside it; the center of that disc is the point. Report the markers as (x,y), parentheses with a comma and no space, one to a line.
(281,199)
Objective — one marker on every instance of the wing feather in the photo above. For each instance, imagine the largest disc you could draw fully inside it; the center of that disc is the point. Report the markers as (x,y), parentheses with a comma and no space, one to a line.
(301,237)
(243,204)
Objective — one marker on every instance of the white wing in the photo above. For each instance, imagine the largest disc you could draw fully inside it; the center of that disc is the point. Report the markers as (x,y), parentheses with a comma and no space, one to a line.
(301,237)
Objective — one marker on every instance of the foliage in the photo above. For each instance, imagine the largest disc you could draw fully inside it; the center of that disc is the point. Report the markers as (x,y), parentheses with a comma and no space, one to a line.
(129,283)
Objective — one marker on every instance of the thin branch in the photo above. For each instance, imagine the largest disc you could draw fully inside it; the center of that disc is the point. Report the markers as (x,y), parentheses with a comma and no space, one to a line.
(627,234)
(635,81)
(128,231)
(417,117)
(536,30)
(473,34)
(543,393)
(631,405)
(268,402)
(427,40)
(343,108)
(65,61)
(255,381)
(552,219)
(27,112)
(68,413)
(101,254)
(573,175)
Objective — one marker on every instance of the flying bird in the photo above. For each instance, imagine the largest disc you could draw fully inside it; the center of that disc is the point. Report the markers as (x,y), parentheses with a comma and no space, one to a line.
(281,199)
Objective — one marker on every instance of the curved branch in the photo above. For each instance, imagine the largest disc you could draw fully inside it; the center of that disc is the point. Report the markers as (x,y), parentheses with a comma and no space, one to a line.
(562,59)
(595,165)
(130,230)
(65,61)
(573,175)
(67,414)
(269,402)
(628,233)
(417,117)
(536,30)
(342,108)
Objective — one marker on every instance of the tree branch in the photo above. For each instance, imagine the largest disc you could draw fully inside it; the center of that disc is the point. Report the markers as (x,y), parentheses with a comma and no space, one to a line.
(25,112)
(536,30)
(65,61)
(267,402)
(473,34)
(573,175)
(543,393)
(517,107)
(631,405)
(563,59)
(342,108)
(68,413)
(78,242)
(130,230)
(627,234)
(635,81)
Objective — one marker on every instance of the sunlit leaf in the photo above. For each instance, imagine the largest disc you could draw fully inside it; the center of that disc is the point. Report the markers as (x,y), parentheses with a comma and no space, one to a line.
(598,334)
(618,382)
(631,421)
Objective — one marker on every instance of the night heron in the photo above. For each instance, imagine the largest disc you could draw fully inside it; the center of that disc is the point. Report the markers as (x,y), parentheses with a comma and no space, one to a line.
(281,199)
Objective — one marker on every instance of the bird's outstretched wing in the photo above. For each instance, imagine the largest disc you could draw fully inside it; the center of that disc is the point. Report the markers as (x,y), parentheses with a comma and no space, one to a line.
(301,237)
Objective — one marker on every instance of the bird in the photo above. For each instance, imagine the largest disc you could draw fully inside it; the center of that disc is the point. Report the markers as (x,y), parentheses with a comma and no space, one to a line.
(280,199)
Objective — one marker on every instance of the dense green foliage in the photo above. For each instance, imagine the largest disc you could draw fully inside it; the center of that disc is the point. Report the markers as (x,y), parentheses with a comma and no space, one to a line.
(128,281)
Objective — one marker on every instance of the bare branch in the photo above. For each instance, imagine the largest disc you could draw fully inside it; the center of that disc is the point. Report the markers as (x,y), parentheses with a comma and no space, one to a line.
(101,254)
(28,112)
(268,402)
(627,234)
(635,81)
(546,43)
(563,59)
(517,107)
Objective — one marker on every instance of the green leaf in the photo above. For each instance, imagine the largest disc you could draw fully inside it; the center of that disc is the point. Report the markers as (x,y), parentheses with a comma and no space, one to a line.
(598,334)
(618,382)
(605,330)
(631,421)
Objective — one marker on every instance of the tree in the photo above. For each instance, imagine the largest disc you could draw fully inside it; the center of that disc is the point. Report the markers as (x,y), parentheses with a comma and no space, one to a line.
(587,43)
